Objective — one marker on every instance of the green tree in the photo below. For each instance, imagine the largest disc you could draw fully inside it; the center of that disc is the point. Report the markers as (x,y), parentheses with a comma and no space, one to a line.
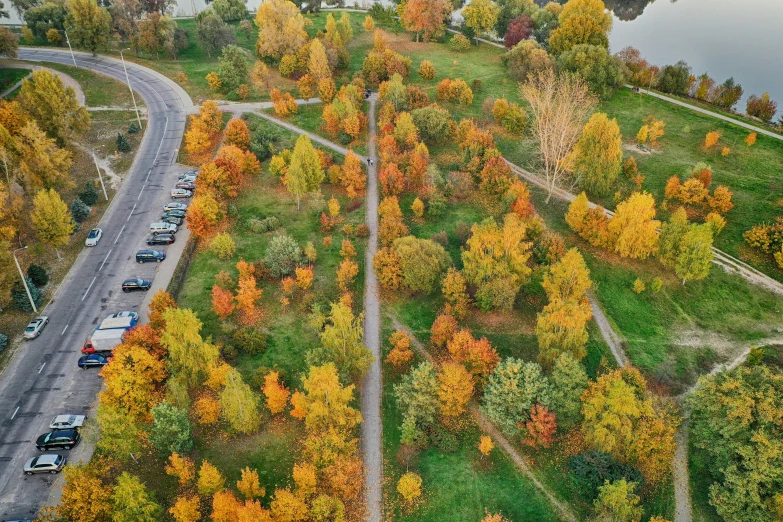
(9,43)
(53,106)
(597,157)
(735,424)
(41,18)
(417,397)
(671,236)
(568,380)
(213,33)
(131,502)
(79,210)
(188,354)
(304,173)
(433,123)
(120,432)
(239,404)
(617,502)
(170,431)
(695,257)
(233,67)
(422,261)
(603,73)
(230,10)
(87,24)
(283,255)
(512,389)
(342,345)
(51,218)
(42,164)
(394,92)
(481,15)
(19,293)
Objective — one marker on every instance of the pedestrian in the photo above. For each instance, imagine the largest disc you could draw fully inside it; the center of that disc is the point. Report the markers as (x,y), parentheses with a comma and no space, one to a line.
(368,160)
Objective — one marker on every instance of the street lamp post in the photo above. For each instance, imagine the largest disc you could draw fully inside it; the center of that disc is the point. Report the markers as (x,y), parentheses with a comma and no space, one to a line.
(24,281)
(69,47)
(127,79)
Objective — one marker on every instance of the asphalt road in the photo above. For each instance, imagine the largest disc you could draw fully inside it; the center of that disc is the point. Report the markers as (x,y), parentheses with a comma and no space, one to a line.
(43,379)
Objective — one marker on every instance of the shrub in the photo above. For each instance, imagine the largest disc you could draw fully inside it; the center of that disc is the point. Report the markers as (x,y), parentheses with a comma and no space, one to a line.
(283,255)
(362,230)
(261,226)
(19,295)
(427,70)
(122,143)
(79,210)
(656,285)
(223,245)
(639,286)
(3,341)
(589,471)
(459,43)
(89,195)
(38,275)
(251,340)
(133,128)
(442,238)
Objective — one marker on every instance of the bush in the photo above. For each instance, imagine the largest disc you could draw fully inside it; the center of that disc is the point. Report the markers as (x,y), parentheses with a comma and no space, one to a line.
(19,295)
(89,195)
(283,255)
(133,128)
(476,85)
(79,210)
(590,469)
(228,352)
(442,238)
(251,340)
(459,43)
(122,143)
(38,275)
(223,246)
(3,341)
(462,231)
(362,230)
(261,226)
(445,441)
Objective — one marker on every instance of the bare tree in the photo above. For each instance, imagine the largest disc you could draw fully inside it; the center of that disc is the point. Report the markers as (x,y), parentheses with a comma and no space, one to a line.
(560,104)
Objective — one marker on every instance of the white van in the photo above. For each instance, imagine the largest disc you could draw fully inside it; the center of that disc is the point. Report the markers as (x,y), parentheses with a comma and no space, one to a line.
(163,228)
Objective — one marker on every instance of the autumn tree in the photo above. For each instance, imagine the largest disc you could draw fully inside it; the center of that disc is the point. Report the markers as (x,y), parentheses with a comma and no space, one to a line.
(409,486)
(581,22)
(182,468)
(237,134)
(188,354)
(248,295)
(318,64)
(481,16)
(386,263)
(750,139)
(622,418)
(275,392)
(210,480)
(391,225)
(85,496)
(186,509)
(204,213)
(617,501)
(455,389)
(131,502)
(695,253)
(443,329)
(42,164)
(131,382)
(325,403)
(454,288)
(512,389)
(249,485)
(526,60)
(519,28)
(222,302)
(53,105)
(281,29)
(422,262)
(495,260)
(304,173)
(486,445)
(426,70)
(346,274)
(426,18)
(239,404)
(369,24)
(352,176)
(761,107)
(87,24)
(401,352)
(51,219)
(559,104)
(596,159)
(342,344)
(633,228)
(160,302)
(569,380)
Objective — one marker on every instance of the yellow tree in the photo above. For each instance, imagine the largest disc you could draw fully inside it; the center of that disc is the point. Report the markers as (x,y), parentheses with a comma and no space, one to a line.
(581,22)
(401,352)
(210,480)
(224,506)
(239,405)
(633,227)
(237,134)
(87,24)
(210,114)
(481,15)
(159,303)
(369,24)
(305,173)
(51,218)
(131,382)
(281,29)
(409,487)
(41,162)
(188,354)
(562,327)
(53,106)
(249,485)
(182,468)
(325,404)
(260,76)
(318,64)
(131,502)
(275,392)
(486,445)
(455,388)
(186,509)
(454,288)
(352,176)
(568,278)
(85,497)
(597,157)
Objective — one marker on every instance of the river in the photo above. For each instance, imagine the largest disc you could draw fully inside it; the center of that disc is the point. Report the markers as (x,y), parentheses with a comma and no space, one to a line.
(739,38)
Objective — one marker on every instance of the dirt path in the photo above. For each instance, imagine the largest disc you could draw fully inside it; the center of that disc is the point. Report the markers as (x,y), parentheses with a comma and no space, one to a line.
(562,510)
(611,337)
(372,427)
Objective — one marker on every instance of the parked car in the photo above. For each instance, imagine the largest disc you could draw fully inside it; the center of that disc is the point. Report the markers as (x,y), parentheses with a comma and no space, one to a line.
(93,237)
(163,228)
(180,193)
(173,220)
(35,327)
(160,239)
(94,360)
(173,213)
(67,421)
(188,174)
(55,439)
(187,185)
(175,206)
(133,315)
(131,285)
(146,256)
(45,464)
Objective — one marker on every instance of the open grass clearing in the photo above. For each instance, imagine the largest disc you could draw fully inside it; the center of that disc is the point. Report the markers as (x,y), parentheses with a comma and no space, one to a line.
(9,77)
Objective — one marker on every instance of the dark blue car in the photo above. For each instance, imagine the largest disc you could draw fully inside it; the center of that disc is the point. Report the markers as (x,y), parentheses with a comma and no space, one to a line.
(93,360)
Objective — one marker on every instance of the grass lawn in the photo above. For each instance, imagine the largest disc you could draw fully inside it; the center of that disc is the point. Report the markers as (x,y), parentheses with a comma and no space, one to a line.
(9,77)
(681,332)
(99,90)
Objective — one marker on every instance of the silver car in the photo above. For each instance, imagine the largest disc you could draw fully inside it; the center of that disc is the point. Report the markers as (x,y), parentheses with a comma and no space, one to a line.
(45,464)
(35,327)
(180,193)
(67,421)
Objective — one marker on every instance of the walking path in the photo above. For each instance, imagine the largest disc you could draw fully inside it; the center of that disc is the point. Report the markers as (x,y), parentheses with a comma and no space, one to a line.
(68,81)
(315,137)
(563,511)
(372,426)
(240,107)
(710,113)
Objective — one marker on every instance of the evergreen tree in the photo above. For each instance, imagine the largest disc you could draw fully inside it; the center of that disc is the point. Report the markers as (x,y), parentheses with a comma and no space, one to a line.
(19,295)
(122,143)
(79,210)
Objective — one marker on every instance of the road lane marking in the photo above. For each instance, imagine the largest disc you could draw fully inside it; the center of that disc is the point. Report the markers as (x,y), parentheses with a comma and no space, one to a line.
(15,412)
(131,212)
(88,288)
(118,235)
(66,327)
(42,367)
(140,192)
(104,262)
(148,176)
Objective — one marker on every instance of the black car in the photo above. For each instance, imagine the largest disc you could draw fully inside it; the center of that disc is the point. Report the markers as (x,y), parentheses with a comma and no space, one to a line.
(161,239)
(130,285)
(173,213)
(94,360)
(56,439)
(172,219)
(145,256)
